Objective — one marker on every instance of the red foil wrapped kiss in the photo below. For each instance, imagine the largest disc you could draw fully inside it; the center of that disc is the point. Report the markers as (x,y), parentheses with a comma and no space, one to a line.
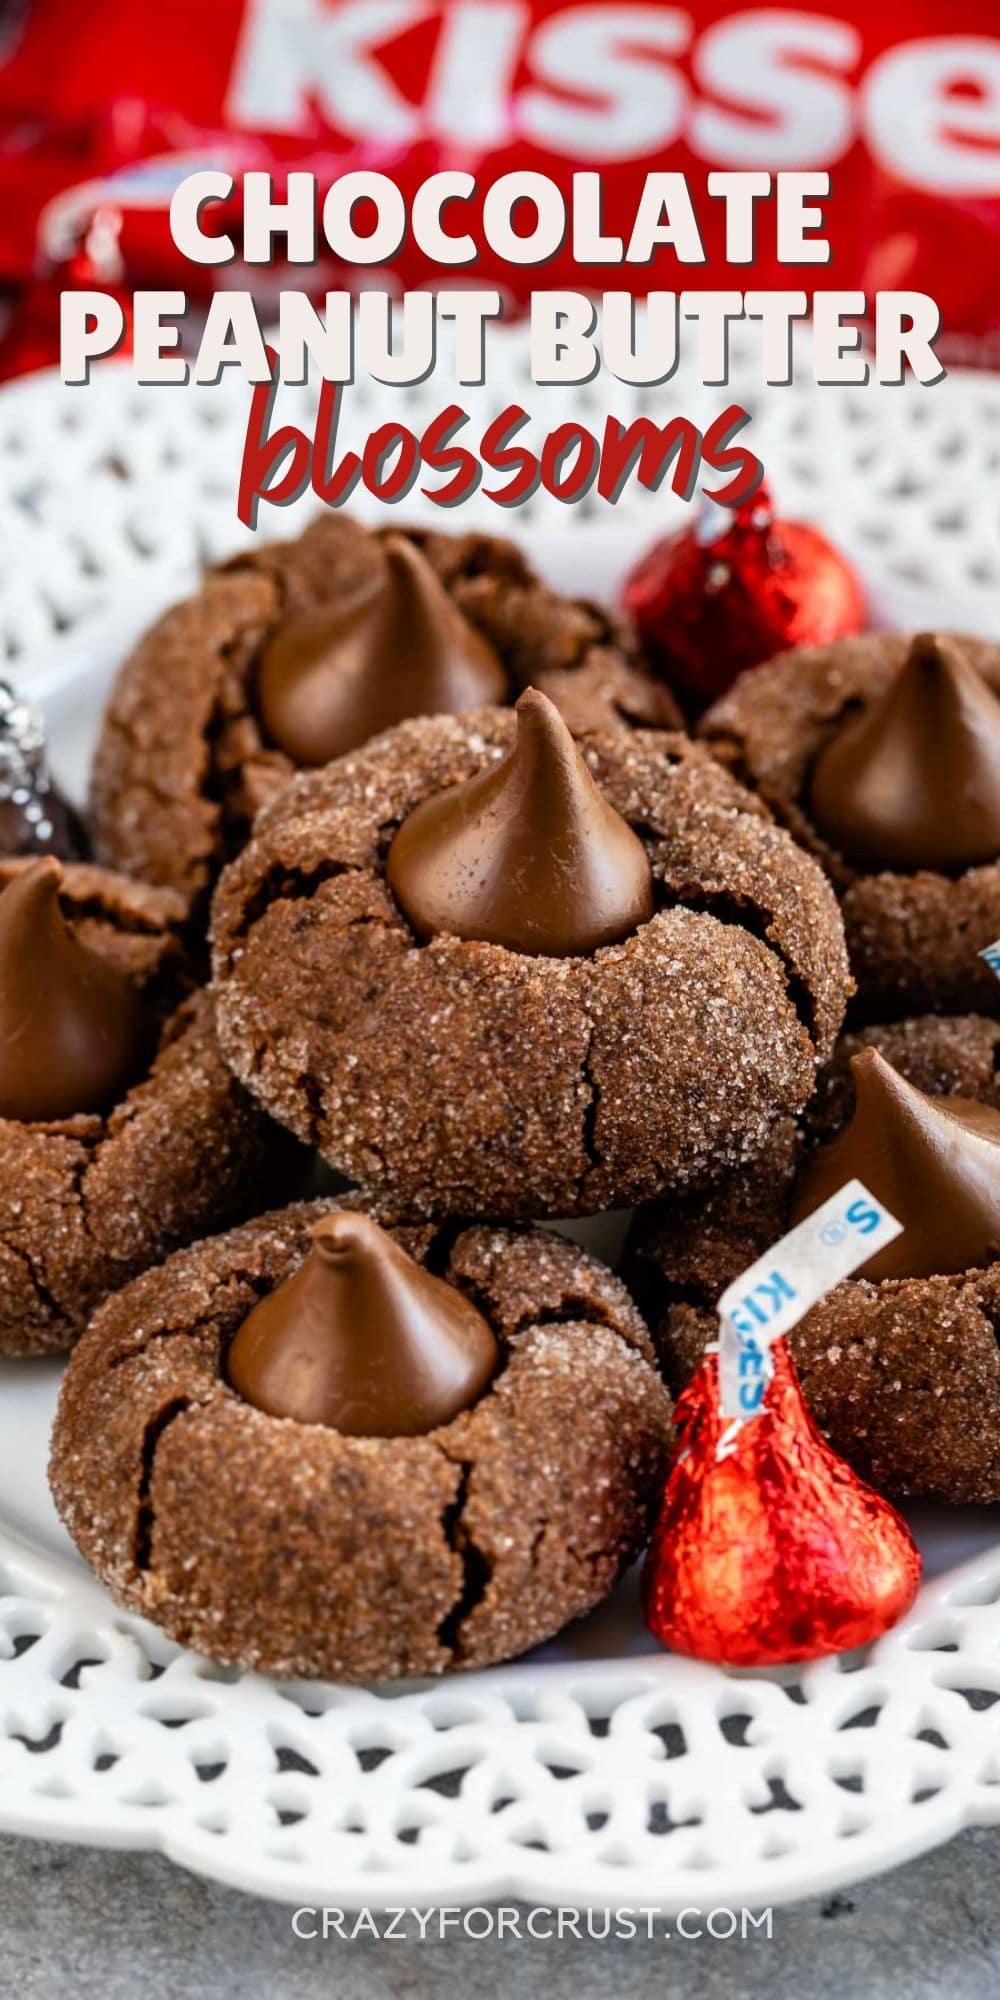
(774,1551)
(707,607)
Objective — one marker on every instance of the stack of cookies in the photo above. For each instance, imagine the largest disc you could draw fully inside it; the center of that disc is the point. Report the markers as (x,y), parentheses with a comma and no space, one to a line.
(409,874)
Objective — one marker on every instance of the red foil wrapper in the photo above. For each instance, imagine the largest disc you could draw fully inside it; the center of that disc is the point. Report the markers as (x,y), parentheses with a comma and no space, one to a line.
(776,1551)
(112,104)
(706,609)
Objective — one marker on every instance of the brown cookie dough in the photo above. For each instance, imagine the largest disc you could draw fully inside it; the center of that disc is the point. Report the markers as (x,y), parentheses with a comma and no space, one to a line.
(902,1375)
(87,1201)
(182,765)
(293,1549)
(464,1078)
(912,939)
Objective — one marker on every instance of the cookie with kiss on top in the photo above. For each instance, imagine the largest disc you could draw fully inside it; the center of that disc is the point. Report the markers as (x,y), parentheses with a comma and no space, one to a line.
(122,1132)
(900,1364)
(882,756)
(362,1451)
(487,969)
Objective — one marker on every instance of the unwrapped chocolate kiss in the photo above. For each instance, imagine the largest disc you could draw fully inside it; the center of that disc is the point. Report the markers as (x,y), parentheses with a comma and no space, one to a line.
(914,781)
(933,1161)
(74,1030)
(398,647)
(528,854)
(363,1339)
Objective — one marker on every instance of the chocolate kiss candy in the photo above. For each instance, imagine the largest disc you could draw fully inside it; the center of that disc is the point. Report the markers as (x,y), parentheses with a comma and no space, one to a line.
(914,781)
(363,1339)
(933,1161)
(74,1031)
(398,647)
(528,854)
(733,590)
(768,1547)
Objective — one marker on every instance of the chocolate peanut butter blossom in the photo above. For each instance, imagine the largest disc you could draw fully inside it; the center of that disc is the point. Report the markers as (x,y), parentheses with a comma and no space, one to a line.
(298,1549)
(555,1073)
(914,780)
(935,1163)
(74,1030)
(881,754)
(398,646)
(900,1364)
(529,855)
(363,1339)
(297,649)
(97,1009)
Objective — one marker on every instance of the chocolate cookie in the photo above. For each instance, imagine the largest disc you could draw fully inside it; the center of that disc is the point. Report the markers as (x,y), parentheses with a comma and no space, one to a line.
(315,644)
(458,1076)
(122,1133)
(901,1373)
(293,1548)
(882,756)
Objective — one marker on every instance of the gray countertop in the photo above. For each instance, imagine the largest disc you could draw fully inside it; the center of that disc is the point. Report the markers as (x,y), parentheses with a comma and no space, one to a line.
(120,1926)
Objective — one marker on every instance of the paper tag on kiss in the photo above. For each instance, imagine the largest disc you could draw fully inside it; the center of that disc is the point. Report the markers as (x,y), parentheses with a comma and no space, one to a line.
(770,1297)
(991,953)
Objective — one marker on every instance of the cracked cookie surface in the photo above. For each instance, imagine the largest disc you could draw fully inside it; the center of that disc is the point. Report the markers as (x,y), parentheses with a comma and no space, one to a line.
(182,765)
(902,1375)
(86,1202)
(463,1078)
(913,939)
(289,1548)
